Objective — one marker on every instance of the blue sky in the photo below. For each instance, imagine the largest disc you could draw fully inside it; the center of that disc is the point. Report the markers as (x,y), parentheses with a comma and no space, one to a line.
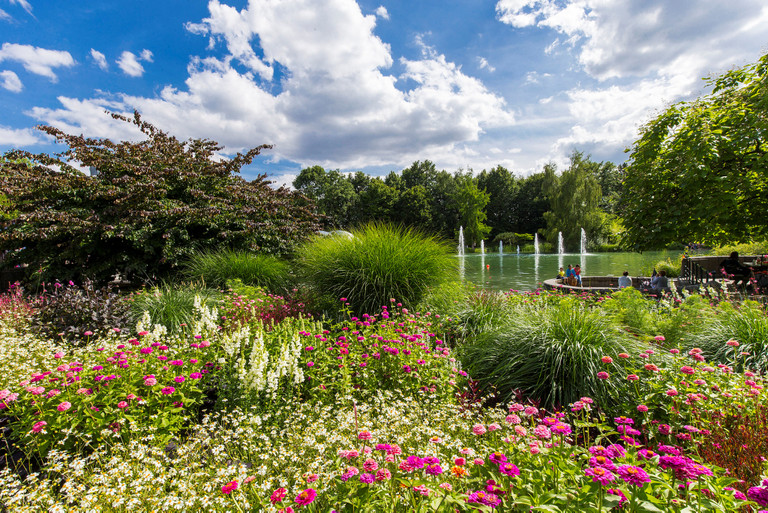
(368,85)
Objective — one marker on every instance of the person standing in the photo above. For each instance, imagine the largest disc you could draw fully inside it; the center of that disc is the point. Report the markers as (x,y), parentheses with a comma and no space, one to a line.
(577,274)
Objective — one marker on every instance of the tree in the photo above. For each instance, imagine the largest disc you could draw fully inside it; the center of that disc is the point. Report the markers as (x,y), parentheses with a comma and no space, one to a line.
(574,198)
(412,208)
(333,194)
(529,205)
(152,204)
(699,171)
(471,202)
(376,202)
(502,187)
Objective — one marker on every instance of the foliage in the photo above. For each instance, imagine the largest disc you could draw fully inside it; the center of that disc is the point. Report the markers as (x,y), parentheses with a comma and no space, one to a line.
(173,306)
(215,268)
(150,207)
(377,263)
(513,238)
(471,202)
(248,305)
(699,171)
(502,189)
(332,193)
(574,198)
(672,267)
(752,248)
(549,353)
(747,325)
(76,313)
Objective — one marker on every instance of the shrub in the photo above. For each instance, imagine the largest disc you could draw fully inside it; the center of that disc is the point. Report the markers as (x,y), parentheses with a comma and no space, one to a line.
(672,267)
(551,354)
(752,248)
(747,324)
(215,268)
(172,306)
(377,263)
(15,309)
(244,305)
(74,311)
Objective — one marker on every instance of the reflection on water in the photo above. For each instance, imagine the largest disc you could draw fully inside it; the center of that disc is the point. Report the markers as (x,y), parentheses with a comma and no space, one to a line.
(525,272)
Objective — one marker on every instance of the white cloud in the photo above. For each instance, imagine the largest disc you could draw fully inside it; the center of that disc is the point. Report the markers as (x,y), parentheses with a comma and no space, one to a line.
(10,81)
(335,103)
(24,5)
(484,64)
(36,60)
(4,15)
(18,138)
(382,13)
(100,59)
(129,63)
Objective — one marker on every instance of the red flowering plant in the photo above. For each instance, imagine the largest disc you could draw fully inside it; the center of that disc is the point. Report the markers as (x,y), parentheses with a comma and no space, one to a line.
(394,350)
(246,305)
(149,381)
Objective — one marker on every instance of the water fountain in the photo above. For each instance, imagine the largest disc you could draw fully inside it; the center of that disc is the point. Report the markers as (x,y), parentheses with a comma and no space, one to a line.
(560,245)
(518,250)
(535,243)
(501,247)
(583,242)
(461,241)
(482,247)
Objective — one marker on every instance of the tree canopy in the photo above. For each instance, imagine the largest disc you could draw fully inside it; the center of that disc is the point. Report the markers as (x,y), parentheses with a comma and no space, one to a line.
(699,171)
(149,206)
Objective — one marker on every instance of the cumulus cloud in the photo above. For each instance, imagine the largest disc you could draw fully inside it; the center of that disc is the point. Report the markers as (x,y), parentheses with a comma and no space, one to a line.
(39,61)
(382,13)
(336,102)
(18,138)
(129,62)
(100,59)
(10,81)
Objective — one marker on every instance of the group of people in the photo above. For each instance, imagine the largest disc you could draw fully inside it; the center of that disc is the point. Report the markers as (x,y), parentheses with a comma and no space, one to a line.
(571,276)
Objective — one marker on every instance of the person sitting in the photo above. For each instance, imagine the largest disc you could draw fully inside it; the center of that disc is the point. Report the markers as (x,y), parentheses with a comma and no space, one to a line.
(625,281)
(570,279)
(577,274)
(735,270)
(660,282)
(561,274)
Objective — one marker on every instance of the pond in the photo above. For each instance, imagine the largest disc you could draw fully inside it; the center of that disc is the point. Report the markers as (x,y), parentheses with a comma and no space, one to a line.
(495,271)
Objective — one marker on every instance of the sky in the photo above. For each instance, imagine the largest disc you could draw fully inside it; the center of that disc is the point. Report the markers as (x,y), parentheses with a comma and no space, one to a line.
(369,85)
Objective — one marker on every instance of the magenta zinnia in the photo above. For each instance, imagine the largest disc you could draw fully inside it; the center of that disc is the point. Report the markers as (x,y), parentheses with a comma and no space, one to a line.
(306,497)
(633,475)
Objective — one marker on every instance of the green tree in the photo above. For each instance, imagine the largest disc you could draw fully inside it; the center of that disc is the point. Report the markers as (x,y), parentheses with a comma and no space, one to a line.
(152,204)
(503,189)
(334,195)
(413,207)
(699,171)
(529,205)
(471,202)
(377,201)
(574,198)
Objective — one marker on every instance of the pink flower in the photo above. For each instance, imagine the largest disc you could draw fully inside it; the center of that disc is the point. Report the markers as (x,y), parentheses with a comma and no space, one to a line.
(531,410)
(671,392)
(603,375)
(122,404)
(39,426)
(370,465)
(623,355)
(685,369)
(633,377)
(478,461)
(383,474)
(478,429)
(167,390)
(306,497)
(278,495)
(150,381)
(179,379)
(64,406)
(363,435)
(229,487)
(642,408)
(58,355)
(606,359)
(732,343)
(659,338)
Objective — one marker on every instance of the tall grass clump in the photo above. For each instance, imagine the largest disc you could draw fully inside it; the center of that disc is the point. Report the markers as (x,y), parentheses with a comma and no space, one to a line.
(216,267)
(377,263)
(745,323)
(673,267)
(750,248)
(551,354)
(173,306)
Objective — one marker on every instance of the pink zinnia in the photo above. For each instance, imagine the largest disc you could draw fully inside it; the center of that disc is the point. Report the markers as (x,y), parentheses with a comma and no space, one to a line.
(229,487)
(383,474)
(179,379)
(306,497)
(685,369)
(603,375)
(478,429)
(150,382)
(39,426)
(633,475)
(600,475)
(64,406)
(278,495)
(168,390)
(606,359)
(364,435)
(370,465)
(122,404)
(633,377)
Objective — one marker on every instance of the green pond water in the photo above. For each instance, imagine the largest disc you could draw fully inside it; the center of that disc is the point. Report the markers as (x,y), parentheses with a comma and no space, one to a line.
(525,272)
